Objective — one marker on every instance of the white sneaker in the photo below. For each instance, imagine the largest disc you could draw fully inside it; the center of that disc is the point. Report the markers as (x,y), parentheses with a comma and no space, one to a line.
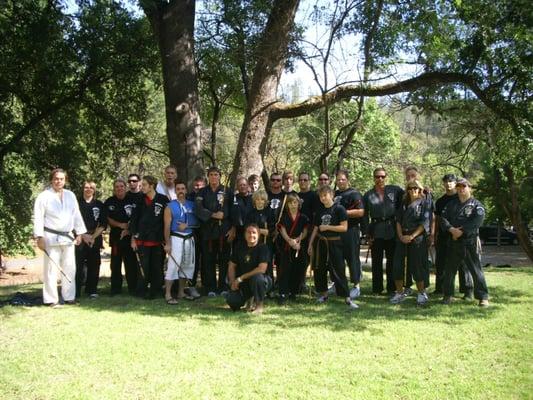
(397,298)
(211,294)
(93,296)
(408,291)
(352,305)
(194,292)
(355,292)
(422,299)
(331,289)
(322,299)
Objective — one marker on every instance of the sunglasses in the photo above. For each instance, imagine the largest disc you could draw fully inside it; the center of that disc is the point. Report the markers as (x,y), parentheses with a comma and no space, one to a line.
(413,188)
(303,180)
(380,176)
(323,179)
(460,185)
(275,180)
(132,181)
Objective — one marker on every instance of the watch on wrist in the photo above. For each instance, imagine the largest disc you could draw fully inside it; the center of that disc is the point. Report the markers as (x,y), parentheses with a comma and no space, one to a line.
(239,279)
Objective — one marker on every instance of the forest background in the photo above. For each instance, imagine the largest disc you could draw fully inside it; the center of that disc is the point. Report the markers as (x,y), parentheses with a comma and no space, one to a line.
(106,88)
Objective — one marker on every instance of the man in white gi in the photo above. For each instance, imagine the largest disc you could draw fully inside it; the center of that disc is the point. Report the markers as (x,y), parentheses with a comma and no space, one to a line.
(58,226)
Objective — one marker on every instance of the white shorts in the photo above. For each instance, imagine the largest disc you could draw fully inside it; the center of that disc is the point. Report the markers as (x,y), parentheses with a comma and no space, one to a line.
(182,251)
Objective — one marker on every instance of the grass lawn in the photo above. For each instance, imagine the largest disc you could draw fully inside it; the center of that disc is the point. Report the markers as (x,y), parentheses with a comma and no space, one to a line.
(125,348)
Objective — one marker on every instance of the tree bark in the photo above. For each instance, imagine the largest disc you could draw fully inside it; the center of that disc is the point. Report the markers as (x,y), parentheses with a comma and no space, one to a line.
(271,58)
(173,26)
(513,211)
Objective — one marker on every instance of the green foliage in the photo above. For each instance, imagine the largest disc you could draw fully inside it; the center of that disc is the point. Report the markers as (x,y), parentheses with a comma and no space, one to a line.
(76,91)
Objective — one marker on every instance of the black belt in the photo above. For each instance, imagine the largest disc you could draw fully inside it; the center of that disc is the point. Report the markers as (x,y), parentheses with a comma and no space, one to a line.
(382,219)
(181,236)
(66,234)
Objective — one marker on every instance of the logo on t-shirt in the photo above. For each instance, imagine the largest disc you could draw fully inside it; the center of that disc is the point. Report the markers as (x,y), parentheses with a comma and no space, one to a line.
(337,199)
(157,209)
(128,208)
(220,197)
(326,219)
(274,203)
(390,196)
(96,213)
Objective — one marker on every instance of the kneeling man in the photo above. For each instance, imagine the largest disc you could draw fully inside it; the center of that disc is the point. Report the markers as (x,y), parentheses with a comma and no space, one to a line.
(247,272)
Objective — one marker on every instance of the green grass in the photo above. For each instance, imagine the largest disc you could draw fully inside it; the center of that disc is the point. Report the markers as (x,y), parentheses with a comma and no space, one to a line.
(124,348)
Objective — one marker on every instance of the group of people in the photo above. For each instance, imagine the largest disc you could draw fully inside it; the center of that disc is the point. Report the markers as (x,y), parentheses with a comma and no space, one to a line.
(248,243)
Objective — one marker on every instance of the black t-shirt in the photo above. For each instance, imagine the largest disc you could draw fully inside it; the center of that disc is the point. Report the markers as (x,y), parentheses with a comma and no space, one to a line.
(93,214)
(333,215)
(275,201)
(350,199)
(309,203)
(248,258)
(121,211)
(442,201)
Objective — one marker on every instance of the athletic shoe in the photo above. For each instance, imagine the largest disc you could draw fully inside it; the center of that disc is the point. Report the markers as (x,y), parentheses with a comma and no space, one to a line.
(355,292)
(331,289)
(194,293)
(422,299)
(397,298)
(211,294)
(93,296)
(322,299)
(484,303)
(468,296)
(224,293)
(407,291)
(351,305)
(447,300)
(55,305)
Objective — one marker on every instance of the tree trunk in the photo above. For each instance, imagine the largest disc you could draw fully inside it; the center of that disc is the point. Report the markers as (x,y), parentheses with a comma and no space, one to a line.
(514,213)
(173,25)
(272,55)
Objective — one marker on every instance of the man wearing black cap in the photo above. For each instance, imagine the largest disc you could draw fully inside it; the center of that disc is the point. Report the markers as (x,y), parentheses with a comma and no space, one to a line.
(441,241)
(462,218)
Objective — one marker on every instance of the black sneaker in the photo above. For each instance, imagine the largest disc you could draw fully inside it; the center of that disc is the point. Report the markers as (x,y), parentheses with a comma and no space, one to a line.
(468,296)
(447,300)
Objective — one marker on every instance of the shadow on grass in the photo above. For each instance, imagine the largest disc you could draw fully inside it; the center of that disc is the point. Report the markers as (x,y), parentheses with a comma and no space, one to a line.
(303,313)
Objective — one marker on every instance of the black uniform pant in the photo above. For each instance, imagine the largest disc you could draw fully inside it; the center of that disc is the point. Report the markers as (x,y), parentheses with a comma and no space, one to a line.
(87,259)
(328,256)
(121,251)
(256,286)
(411,260)
(215,252)
(197,259)
(466,283)
(291,271)
(378,247)
(464,252)
(151,274)
(350,250)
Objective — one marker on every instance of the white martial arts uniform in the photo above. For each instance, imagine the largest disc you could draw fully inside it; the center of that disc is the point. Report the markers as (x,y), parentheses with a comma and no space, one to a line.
(62,215)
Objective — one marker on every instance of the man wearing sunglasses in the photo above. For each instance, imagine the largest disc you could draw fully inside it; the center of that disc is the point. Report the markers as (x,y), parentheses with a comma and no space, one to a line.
(381,203)
(134,187)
